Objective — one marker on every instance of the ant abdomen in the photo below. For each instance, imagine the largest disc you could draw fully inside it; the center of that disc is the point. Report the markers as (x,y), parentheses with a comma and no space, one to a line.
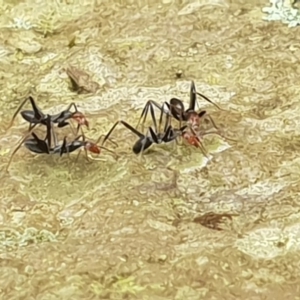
(141,145)
(28,115)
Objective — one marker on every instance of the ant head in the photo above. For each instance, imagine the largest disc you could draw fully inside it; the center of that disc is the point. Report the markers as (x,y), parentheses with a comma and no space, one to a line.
(191,139)
(80,119)
(92,147)
(193,119)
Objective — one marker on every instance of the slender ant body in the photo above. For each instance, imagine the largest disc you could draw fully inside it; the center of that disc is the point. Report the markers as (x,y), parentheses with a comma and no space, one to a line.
(36,117)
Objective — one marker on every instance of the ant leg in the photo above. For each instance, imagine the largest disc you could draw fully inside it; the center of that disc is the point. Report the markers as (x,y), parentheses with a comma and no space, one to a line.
(70,106)
(17,111)
(144,113)
(166,111)
(106,137)
(108,150)
(212,121)
(208,100)
(75,132)
(86,155)
(143,143)
(154,119)
(195,140)
(192,105)
(94,147)
(86,148)
(162,112)
(31,126)
(136,132)
(219,134)
(54,136)
(203,114)
(179,133)
(63,147)
(140,156)
(83,140)
(200,145)
(202,148)
(77,129)
(28,133)
(172,134)
(68,109)
(180,119)
(194,93)
(168,134)
(153,136)
(218,130)
(38,114)
(16,149)
(168,123)
(103,135)
(50,133)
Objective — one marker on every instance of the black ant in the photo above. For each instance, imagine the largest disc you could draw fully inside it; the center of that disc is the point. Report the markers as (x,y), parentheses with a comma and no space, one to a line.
(176,109)
(36,116)
(43,146)
(169,134)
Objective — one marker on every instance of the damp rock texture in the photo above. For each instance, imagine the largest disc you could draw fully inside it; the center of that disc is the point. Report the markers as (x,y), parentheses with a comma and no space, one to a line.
(171,224)
(286,11)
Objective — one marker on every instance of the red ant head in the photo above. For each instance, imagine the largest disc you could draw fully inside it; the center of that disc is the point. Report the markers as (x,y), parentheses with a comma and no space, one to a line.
(80,119)
(193,120)
(92,147)
(191,139)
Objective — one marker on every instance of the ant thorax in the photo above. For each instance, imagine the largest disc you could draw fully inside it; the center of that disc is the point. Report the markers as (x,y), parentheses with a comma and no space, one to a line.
(92,147)
(160,137)
(79,118)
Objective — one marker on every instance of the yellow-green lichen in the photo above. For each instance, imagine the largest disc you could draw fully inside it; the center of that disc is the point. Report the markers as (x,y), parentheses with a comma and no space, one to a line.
(13,239)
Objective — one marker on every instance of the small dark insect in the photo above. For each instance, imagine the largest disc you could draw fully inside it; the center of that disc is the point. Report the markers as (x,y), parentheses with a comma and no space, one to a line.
(154,136)
(37,117)
(176,109)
